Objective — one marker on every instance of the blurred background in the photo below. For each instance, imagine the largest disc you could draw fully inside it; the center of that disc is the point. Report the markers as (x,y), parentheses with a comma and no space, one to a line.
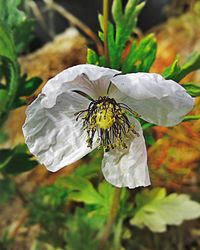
(35,212)
(155,12)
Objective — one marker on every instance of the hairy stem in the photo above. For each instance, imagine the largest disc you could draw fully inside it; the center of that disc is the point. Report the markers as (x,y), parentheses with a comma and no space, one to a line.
(105,27)
(111,218)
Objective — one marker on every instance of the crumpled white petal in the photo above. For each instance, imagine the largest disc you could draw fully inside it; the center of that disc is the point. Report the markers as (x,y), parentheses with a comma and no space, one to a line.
(90,79)
(128,167)
(159,101)
(52,134)
(51,131)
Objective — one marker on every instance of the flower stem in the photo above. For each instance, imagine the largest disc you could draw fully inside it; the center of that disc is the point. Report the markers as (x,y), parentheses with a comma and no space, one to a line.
(105,26)
(111,218)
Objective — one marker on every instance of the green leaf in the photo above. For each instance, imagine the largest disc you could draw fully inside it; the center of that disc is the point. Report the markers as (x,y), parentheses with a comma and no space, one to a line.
(5,157)
(98,214)
(192,89)
(7,190)
(155,210)
(171,70)
(112,48)
(81,233)
(149,139)
(20,163)
(119,35)
(141,56)
(106,191)
(128,23)
(92,57)
(82,190)
(20,28)
(177,72)
(91,168)
(15,161)
(117,11)
(23,34)
(18,103)
(3,100)
(29,86)
(3,136)
(7,51)
(10,14)
(7,48)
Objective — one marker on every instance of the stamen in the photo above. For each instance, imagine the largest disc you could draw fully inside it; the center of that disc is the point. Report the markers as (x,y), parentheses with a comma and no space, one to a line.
(108,119)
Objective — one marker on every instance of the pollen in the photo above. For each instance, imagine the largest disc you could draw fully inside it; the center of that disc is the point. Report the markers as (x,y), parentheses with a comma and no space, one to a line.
(106,120)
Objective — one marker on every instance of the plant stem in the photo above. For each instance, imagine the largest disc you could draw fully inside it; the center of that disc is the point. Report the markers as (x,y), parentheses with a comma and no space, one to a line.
(111,218)
(105,27)
(191,118)
(75,21)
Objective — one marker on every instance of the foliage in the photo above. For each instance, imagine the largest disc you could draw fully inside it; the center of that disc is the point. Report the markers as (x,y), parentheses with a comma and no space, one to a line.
(15,33)
(140,57)
(177,72)
(81,233)
(129,55)
(17,23)
(156,210)
(16,160)
(73,210)
(7,190)
(193,89)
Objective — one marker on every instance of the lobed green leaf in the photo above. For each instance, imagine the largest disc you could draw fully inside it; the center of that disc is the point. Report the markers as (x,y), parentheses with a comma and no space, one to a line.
(155,210)
(140,57)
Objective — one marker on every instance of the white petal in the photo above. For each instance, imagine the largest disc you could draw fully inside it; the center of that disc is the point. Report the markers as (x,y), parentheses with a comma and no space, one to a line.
(90,79)
(128,167)
(159,101)
(52,134)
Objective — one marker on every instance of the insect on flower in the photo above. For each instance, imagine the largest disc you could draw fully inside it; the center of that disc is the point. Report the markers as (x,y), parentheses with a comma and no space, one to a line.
(86,106)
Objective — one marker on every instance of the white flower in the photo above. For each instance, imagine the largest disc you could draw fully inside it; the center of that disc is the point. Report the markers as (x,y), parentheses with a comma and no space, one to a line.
(86,106)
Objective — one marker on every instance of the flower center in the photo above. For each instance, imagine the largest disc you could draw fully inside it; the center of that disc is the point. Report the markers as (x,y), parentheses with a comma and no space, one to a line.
(108,119)
(105,118)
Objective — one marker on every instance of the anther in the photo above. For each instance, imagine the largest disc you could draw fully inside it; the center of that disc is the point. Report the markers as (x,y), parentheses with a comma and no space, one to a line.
(108,119)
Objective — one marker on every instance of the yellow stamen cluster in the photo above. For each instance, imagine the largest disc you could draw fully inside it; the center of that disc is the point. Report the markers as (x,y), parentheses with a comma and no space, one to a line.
(108,119)
(104,116)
